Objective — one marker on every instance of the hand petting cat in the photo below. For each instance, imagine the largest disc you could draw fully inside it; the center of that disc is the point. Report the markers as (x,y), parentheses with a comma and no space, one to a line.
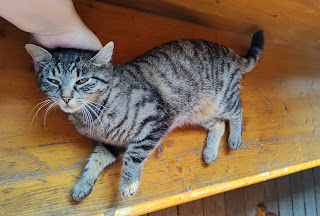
(129,108)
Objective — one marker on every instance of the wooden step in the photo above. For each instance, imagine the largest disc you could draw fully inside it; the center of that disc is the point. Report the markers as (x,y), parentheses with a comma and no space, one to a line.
(291,22)
(39,165)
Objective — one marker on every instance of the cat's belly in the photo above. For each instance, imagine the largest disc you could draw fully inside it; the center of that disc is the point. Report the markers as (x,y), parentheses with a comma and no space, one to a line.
(206,109)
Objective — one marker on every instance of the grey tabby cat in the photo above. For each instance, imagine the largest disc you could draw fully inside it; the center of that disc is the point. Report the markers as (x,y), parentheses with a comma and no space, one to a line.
(129,108)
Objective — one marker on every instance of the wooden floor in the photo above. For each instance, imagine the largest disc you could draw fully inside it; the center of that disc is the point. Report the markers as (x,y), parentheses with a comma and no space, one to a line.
(297,194)
(40,164)
(289,22)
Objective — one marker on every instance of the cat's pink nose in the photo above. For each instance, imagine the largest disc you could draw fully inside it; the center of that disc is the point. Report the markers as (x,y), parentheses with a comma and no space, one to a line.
(66,99)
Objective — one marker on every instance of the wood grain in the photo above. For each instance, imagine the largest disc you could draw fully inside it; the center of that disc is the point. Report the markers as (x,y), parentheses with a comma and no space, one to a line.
(172,211)
(39,165)
(263,211)
(270,195)
(297,193)
(214,205)
(316,175)
(235,203)
(290,22)
(309,193)
(194,208)
(284,196)
(252,198)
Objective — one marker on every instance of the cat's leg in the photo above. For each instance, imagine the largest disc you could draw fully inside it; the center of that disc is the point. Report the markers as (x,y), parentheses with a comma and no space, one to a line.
(102,156)
(216,130)
(133,159)
(235,124)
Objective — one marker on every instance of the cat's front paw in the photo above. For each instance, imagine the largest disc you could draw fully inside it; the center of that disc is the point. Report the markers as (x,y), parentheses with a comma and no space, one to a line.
(209,155)
(127,189)
(81,190)
(234,142)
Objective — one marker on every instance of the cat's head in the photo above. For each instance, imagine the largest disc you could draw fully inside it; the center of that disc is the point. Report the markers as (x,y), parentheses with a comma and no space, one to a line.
(72,77)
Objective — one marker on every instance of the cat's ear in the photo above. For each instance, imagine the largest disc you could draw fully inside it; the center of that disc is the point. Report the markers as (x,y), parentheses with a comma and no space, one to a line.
(104,56)
(38,54)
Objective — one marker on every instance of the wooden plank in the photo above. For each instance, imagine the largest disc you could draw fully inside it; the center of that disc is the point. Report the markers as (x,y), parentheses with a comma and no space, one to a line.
(284,196)
(263,211)
(214,205)
(252,198)
(316,175)
(288,21)
(235,203)
(172,211)
(309,195)
(270,195)
(194,208)
(281,111)
(297,194)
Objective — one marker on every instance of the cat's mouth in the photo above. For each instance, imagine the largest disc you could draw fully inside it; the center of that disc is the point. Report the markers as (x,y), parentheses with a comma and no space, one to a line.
(69,109)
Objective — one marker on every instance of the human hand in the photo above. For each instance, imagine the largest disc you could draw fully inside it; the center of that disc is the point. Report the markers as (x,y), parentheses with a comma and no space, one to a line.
(51,23)
(80,38)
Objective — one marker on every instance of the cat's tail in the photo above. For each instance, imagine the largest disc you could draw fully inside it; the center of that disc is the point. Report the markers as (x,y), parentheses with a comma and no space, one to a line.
(249,62)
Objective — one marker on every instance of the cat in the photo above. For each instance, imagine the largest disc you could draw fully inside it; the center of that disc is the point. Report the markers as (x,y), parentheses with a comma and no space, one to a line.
(129,108)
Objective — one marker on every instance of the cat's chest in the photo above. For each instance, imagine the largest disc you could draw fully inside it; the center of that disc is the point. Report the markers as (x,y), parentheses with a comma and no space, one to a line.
(95,130)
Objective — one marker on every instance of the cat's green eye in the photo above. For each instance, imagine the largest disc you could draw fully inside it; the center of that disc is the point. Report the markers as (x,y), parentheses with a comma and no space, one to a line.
(81,81)
(54,81)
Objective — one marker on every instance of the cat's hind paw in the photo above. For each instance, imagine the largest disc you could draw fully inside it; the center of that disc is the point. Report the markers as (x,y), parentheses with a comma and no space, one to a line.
(81,190)
(128,189)
(234,142)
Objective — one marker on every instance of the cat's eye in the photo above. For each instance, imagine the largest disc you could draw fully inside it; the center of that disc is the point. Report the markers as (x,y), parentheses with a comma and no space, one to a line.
(81,81)
(54,81)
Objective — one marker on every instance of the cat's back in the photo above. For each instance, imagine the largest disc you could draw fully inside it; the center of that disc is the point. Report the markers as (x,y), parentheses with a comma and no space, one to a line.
(193,50)
(184,70)
(184,60)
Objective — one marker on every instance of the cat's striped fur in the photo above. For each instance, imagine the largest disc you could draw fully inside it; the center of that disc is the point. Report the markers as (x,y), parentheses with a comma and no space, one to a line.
(129,108)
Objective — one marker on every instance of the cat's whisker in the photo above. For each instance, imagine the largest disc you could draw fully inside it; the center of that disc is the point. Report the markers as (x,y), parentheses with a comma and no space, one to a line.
(95,113)
(100,117)
(90,120)
(90,102)
(43,105)
(91,123)
(85,114)
(48,109)
(101,110)
(51,98)
(97,104)
(42,102)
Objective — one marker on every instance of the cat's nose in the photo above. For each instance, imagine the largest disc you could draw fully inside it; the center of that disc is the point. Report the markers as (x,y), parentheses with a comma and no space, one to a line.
(66,99)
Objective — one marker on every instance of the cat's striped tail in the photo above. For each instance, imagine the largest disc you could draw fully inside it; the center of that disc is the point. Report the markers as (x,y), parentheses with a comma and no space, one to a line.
(249,62)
